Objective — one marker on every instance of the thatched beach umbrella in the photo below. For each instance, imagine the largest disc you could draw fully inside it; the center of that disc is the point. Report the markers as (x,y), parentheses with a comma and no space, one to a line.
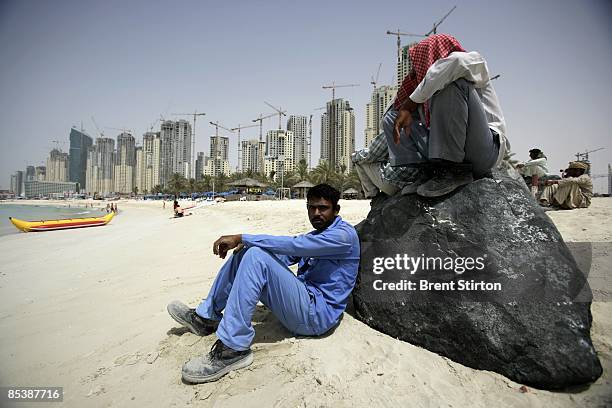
(302,187)
(350,194)
(249,185)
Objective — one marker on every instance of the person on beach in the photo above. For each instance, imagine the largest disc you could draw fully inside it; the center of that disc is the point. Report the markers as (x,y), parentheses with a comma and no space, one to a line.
(178,211)
(308,304)
(445,120)
(533,169)
(574,190)
(535,166)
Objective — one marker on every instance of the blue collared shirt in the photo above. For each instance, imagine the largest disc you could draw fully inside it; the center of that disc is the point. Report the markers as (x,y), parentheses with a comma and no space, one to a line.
(328,261)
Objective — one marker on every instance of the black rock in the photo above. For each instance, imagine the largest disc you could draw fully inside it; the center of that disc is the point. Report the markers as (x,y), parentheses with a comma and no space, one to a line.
(529,316)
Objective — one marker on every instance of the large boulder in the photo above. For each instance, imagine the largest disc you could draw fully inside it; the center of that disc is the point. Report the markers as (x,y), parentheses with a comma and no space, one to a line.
(520,307)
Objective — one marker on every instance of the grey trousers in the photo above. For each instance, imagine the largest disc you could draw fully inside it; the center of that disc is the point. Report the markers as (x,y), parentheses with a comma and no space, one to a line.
(458,132)
(372,181)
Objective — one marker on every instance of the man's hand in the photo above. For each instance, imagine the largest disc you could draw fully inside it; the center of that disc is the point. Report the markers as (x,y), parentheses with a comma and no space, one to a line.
(403,121)
(225,243)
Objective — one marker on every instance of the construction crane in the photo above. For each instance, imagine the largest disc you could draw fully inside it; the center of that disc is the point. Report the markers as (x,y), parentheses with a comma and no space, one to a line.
(58,145)
(280,114)
(260,120)
(123,130)
(195,114)
(435,26)
(375,81)
(398,33)
(494,77)
(97,127)
(584,157)
(160,119)
(333,87)
(239,146)
(217,126)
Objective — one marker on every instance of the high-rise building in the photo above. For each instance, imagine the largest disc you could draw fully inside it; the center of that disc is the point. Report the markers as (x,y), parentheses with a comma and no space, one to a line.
(53,189)
(57,166)
(338,134)
(199,166)
(403,63)
(30,174)
(17,183)
(100,166)
(150,167)
(382,97)
(125,163)
(176,149)
(80,142)
(298,125)
(40,173)
(279,152)
(219,154)
(253,154)
(139,171)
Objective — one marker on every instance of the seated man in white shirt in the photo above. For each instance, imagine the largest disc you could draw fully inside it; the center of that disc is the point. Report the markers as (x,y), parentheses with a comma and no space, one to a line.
(461,132)
(533,169)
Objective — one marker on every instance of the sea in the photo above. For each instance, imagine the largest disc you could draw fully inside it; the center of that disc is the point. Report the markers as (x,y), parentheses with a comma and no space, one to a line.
(41,212)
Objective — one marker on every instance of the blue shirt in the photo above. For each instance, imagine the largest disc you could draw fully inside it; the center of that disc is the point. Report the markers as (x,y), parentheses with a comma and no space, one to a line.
(328,261)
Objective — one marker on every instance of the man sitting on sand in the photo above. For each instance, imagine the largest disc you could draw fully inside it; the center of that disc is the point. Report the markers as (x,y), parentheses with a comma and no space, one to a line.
(178,211)
(533,169)
(308,304)
(574,190)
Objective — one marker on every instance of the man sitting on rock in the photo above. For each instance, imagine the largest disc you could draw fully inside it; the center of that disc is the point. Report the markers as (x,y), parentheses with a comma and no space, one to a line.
(309,304)
(446,119)
(574,190)
(376,173)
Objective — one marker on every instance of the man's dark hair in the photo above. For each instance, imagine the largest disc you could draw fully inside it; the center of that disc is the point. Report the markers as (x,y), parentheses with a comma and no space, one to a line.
(324,191)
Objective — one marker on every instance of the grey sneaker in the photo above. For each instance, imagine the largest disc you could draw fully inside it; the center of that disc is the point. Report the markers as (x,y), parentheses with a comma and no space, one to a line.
(423,175)
(446,179)
(218,362)
(190,319)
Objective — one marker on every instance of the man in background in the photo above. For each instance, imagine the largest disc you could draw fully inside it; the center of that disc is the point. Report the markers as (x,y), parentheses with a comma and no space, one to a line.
(574,190)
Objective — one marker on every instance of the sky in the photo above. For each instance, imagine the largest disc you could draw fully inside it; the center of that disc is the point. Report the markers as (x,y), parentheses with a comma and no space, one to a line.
(125,63)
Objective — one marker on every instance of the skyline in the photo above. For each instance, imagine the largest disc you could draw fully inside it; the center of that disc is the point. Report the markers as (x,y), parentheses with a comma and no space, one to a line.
(124,65)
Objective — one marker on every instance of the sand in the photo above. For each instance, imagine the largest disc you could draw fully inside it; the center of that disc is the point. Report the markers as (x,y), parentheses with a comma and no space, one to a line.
(85,309)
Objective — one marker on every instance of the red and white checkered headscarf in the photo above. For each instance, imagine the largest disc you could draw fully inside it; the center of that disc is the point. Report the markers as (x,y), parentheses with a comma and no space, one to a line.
(422,56)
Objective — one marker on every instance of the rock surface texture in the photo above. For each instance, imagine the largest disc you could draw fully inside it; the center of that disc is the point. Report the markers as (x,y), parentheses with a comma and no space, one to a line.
(535,330)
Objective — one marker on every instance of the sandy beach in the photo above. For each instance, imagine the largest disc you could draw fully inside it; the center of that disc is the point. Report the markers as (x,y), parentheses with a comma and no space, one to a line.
(86,310)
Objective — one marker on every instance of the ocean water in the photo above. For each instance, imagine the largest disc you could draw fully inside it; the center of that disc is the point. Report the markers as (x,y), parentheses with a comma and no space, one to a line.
(41,212)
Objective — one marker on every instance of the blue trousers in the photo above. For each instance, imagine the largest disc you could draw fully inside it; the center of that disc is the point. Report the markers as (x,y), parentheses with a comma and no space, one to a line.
(250,276)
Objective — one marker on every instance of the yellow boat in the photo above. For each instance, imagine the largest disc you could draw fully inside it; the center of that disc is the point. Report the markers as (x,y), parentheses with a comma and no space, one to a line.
(52,225)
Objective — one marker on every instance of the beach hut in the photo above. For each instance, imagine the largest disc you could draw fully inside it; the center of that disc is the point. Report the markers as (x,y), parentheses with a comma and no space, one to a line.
(248,185)
(350,194)
(302,188)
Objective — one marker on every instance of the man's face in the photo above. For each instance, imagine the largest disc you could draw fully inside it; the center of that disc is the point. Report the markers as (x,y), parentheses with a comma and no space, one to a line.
(574,172)
(321,212)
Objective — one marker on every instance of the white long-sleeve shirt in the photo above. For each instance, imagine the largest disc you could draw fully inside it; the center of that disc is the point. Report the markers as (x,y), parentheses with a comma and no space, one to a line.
(473,67)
